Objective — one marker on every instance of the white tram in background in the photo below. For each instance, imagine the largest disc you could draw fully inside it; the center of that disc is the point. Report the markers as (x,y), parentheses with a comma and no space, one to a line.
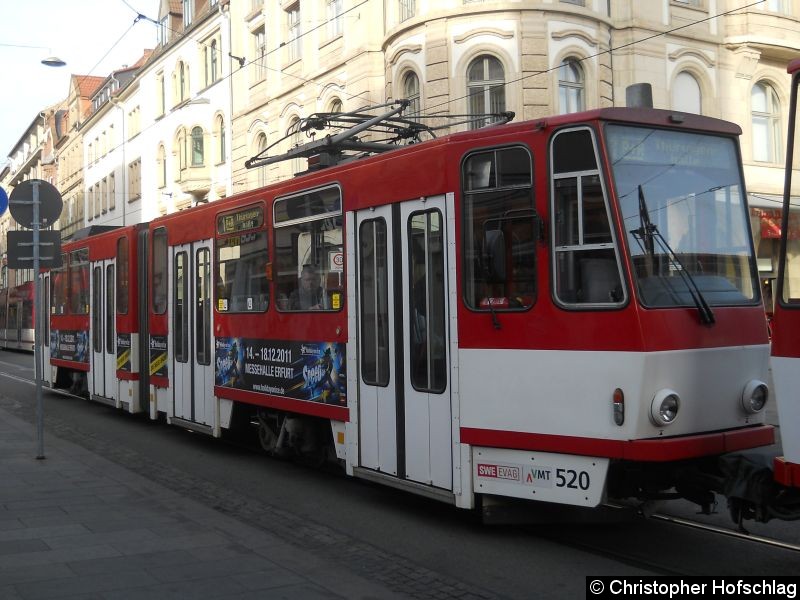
(16,316)
(564,311)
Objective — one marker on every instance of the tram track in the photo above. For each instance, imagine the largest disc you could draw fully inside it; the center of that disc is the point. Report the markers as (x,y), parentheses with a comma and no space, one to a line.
(724,531)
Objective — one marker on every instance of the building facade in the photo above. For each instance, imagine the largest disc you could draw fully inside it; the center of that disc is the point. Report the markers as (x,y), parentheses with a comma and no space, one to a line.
(228,78)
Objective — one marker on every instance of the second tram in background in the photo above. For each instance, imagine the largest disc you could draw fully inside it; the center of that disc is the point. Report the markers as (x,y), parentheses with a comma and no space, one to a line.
(565,311)
(16,316)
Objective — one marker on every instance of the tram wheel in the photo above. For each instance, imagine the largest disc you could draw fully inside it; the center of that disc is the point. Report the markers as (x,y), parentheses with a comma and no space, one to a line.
(266,435)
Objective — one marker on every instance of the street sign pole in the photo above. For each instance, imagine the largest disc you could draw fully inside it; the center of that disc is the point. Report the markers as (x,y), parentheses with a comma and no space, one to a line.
(34,204)
(37,326)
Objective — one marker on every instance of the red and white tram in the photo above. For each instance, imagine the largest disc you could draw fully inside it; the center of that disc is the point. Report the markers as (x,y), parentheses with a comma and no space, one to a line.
(786,338)
(564,310)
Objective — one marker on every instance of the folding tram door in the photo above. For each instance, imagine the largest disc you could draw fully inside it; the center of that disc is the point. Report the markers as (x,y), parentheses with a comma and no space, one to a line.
(103,373)
(405,424)
(190,330)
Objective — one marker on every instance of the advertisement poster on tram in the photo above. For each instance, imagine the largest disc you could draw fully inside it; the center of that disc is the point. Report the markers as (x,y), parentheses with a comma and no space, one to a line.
(313,371)
(124,352)
(158,356)
(69,345)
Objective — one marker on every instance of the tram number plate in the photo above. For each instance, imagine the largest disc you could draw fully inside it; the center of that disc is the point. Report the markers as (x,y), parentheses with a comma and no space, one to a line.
(548,477)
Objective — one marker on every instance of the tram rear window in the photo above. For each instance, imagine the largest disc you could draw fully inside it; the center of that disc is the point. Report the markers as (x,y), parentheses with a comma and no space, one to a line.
(499,230)
(308,251)
(60,287)
(79,282)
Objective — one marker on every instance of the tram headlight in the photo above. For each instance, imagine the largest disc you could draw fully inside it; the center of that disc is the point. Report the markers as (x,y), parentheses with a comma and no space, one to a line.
(754,396)
(664,408)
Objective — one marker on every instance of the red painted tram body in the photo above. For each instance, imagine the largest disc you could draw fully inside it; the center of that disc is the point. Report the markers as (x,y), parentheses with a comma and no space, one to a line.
(564,310)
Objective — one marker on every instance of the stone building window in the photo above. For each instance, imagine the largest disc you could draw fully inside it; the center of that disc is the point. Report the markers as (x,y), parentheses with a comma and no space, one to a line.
(408,8)
(411,92)
(765,112)
(686,95)
(485,88)
(571,87)
(198,151)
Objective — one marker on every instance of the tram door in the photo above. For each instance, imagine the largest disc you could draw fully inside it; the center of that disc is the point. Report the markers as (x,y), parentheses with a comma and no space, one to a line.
(190,330)
(103,380)
(404,363)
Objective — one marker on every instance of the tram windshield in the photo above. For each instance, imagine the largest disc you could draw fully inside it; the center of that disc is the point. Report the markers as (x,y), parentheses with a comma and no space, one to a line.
(684,213)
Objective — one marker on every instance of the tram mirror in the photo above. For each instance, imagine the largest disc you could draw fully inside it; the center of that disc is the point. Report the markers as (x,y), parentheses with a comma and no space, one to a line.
(494,255)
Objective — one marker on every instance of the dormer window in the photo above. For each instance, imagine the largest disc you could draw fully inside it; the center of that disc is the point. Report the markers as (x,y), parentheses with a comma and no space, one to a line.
(187,13)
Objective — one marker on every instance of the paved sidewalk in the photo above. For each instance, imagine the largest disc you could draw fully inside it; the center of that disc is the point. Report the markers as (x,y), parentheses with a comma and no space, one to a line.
(78,526)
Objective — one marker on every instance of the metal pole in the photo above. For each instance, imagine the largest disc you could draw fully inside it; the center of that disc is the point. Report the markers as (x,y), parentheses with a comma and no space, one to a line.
(37,317)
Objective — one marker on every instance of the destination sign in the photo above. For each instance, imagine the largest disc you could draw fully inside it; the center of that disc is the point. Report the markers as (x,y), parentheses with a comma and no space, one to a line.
(248,218)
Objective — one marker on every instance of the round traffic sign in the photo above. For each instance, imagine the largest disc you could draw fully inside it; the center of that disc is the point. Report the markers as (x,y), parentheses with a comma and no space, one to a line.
(3,201)
(22,198)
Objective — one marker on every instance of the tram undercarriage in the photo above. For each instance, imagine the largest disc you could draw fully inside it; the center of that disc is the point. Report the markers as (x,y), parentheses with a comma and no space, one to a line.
(745,479)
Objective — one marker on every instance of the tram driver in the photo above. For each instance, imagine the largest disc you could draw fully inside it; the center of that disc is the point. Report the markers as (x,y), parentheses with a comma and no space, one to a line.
(309,295)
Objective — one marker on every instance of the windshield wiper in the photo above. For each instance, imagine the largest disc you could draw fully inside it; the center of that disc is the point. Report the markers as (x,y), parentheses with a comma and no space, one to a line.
(648,234)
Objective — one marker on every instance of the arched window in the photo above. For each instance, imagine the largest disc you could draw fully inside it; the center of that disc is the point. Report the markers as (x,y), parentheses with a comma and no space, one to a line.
(261,145)
(220,133)
(162,166)
(571,87)
(486,88)
(411,92)
(766,123)
(686,95)
(198,153)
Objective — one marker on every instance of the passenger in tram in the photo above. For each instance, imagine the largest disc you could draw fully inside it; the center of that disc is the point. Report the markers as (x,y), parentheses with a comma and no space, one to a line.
(309,295)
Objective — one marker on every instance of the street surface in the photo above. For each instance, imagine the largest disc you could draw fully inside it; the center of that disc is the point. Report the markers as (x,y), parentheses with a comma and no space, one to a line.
(415,547)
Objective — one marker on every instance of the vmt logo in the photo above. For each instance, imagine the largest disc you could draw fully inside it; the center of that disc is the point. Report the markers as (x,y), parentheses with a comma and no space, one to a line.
(539,476)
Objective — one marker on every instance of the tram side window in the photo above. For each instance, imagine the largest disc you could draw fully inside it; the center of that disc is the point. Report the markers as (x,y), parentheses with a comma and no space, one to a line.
(586,267)
(122,276)
(97,310)
(375,319)
(427,328)
(242,284)
(308,251)
(158,285)
(79,282)
(180,324)
(60,288)
(202,294)
(110,319)
(500,230)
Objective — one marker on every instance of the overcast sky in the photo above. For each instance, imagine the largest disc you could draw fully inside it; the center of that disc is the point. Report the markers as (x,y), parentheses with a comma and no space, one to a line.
(94,37)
